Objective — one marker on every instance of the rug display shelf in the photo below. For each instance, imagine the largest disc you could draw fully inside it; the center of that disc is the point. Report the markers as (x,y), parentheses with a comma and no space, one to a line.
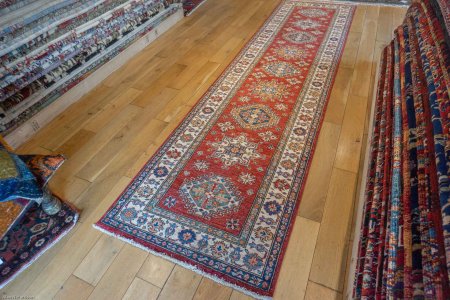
(72,87)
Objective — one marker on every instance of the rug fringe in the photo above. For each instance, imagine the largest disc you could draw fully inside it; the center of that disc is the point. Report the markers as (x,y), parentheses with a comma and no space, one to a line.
(183,264)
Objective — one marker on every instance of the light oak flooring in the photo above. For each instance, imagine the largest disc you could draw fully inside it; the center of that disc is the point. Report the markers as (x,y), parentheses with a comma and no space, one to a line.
(114,130)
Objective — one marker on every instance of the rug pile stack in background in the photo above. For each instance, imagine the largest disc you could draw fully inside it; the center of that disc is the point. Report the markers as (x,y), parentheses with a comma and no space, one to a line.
(47,47)
(404,249)
(190,5)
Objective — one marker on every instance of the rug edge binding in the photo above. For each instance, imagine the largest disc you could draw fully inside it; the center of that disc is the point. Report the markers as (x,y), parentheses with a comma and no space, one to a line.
(182,264)
(60,237)
(190,266)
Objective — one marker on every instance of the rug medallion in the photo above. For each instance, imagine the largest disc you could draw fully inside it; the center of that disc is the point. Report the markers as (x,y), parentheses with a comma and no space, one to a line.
(221,194)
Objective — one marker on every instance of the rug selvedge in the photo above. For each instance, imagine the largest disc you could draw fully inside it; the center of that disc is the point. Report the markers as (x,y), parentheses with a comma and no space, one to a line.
(222,192)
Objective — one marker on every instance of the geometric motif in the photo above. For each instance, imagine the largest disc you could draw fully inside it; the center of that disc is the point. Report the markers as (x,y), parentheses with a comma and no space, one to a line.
(313,12)
(222,191)
(255,116)
(236,150)
(36,233)
(210,195)
(306,24)
(299,37)
(280,69)
(268,89)
(290,52)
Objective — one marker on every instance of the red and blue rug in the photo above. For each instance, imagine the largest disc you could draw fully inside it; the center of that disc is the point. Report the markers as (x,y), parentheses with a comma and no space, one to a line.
(27,241)
(26,230)
(221,194)
(404,245)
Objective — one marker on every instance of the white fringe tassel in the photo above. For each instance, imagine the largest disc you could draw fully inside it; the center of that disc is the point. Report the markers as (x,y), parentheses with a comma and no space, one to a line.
(185,265)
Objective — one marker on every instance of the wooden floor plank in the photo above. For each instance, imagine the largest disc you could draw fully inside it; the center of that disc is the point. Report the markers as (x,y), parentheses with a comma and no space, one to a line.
(141,290)
(316,291)
(74,289)
(330,256)
(338,97)
(71,120)
(141,161)
(108,152)
(294,273)
(85,154)
(181,285)
(363,66)
(70,188)
(350,140)
(98,260)
(75,143)
(239,296)
(113,130)
(209,289)
(156,270)
(115,283)
(384,29)
(111,110)
(358,18)
(316,186)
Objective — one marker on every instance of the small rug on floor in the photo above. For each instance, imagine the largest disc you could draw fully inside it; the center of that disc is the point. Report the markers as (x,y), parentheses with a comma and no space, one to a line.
(35,234)
(221,194)
(190,5)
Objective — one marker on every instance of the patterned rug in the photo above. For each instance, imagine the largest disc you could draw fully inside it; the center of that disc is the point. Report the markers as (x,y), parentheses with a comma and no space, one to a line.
(221,194)
(36,234)
(381,2)
(404,246)
(190,5)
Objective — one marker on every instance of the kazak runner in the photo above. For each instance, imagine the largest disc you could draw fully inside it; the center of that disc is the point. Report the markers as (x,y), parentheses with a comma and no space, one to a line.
(221,194)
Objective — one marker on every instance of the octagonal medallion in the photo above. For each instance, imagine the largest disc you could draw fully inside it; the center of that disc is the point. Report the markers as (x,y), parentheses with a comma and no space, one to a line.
(299,37)
(235,150)
(280,69)
(255,116)
(210,195)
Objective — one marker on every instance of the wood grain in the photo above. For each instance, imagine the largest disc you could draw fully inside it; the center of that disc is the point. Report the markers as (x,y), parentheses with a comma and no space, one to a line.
(110,134)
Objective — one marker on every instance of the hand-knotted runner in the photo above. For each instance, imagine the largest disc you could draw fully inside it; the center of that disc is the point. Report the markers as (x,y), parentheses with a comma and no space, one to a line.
(221,194)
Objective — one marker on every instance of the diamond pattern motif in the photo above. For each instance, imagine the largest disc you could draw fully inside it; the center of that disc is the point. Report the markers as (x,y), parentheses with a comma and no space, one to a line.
(255,116)
(210,195)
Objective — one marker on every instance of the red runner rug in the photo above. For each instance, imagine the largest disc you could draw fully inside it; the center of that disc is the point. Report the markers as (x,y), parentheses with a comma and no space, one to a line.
(221,194)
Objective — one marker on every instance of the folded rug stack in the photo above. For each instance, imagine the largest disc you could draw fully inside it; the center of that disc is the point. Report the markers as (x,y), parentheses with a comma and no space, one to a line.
(404,249)
(47,47)
(190,5)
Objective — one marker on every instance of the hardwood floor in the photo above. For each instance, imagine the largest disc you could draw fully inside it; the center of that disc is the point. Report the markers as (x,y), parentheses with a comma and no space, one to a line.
(115,129)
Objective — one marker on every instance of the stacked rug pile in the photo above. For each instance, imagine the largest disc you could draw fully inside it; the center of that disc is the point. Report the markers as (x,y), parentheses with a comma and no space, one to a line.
(190,5)
(404,249)
(47,47)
